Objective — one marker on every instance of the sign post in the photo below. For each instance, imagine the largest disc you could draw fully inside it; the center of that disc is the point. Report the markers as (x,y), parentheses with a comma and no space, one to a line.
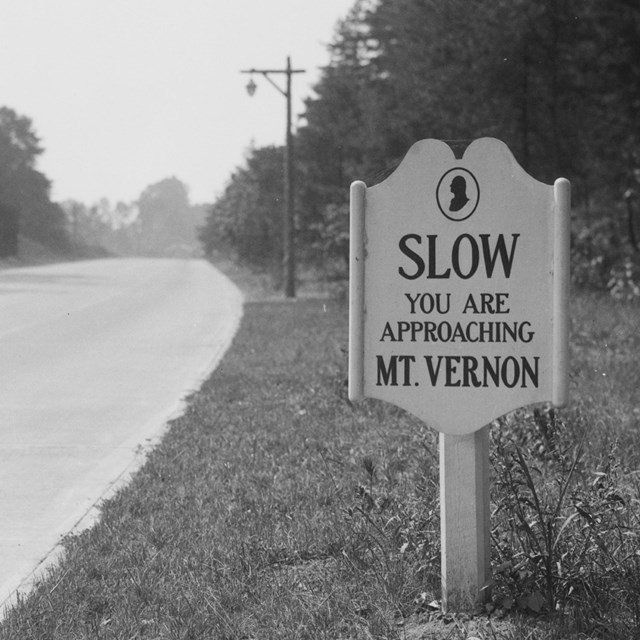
(465,532)
(458,314)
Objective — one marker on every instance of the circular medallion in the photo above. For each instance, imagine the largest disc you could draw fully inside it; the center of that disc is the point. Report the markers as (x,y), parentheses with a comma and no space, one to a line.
(458,194)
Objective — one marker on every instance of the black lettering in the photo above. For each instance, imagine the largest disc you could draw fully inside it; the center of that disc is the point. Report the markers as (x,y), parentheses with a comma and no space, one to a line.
(413,301)
(525,336)
(451,369)
(412,255)
(441,308)
(433,373)
(388,333)
(531,372)
(416,328)
(458,333)
(429,330)
(515,372)
(470,304)
(469,377)
(432,260)
(490,258)
(486,302)
(469,334)
(494,373)
(444,332)
(475,256)
(407,369)
(387,376)
(501,298)
(427,308)
(510,330)
(403,327)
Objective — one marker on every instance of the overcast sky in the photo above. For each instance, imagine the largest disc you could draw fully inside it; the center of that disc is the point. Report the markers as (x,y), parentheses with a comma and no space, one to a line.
(124,93)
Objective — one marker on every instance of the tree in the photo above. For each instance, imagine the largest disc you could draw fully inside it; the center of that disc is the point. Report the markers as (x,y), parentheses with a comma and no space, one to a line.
(558,81)
(9,226)
(166,219)
(24,191)
(101,229)
(247,217)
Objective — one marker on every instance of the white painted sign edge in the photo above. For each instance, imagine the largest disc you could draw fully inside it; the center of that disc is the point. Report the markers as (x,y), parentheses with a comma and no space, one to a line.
(561,253)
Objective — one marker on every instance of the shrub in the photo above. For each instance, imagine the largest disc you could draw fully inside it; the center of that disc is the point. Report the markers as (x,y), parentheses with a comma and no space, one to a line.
(603,256)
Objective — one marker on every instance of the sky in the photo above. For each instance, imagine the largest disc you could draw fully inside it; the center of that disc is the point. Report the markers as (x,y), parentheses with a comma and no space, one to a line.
(125,93)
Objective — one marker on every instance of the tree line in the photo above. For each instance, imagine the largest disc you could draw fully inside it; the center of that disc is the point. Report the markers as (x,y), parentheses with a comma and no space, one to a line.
(558,81)
(25,204)
(161,222)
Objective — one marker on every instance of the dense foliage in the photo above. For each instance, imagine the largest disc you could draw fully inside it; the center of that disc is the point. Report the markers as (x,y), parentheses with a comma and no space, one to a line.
(166,219)
(25,206)
(558,81)
(247,215)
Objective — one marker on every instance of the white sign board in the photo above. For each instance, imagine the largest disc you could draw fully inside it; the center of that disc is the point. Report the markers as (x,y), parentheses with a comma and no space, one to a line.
(459,276)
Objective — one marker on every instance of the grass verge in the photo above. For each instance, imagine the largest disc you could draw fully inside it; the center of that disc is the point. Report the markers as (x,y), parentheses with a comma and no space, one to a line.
(274,508)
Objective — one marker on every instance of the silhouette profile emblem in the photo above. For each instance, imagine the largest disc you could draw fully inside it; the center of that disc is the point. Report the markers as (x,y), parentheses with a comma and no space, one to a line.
(458,194)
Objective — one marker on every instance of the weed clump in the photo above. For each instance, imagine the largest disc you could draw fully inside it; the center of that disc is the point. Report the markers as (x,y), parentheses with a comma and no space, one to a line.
(566,528)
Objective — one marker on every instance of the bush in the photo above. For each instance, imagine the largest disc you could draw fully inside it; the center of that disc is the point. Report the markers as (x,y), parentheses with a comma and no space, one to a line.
(603,255)
(566,535)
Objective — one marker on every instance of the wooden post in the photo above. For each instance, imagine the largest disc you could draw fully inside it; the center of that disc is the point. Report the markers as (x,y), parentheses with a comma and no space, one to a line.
(288,242)
(288,226)
(464,520)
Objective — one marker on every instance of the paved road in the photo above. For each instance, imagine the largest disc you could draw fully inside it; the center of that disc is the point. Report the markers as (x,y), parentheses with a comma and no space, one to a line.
(94,358)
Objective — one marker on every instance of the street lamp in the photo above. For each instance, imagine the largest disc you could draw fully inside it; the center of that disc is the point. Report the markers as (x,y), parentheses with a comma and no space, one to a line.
(288,257)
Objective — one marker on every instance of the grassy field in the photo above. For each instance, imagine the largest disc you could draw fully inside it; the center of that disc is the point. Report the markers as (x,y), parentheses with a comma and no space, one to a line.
(274,508)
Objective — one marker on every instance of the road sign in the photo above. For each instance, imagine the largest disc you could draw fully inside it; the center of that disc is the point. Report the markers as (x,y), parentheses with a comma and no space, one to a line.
(458,308)
(459,276)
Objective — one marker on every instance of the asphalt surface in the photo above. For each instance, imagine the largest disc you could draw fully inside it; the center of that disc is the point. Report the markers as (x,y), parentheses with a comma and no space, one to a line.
(95,358)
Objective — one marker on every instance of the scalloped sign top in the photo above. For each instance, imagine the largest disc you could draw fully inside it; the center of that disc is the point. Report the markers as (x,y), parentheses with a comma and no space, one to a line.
(458,292)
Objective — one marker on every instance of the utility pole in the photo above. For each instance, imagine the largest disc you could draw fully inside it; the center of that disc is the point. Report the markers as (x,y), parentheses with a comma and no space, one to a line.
(288,227)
